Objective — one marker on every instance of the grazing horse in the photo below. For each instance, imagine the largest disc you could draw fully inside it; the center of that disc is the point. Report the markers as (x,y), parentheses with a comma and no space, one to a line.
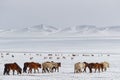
(105,65)
(78,67)
(50,66)
(89,65)
(13,67)
(47,67)
(56,66)
(34,66)
(96,66)
(31,65)
(86,65)
(25,67)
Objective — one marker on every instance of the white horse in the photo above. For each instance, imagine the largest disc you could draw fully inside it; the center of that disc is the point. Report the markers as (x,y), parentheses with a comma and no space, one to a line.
(105,65)
(49,66)
(46,67)
(78,67)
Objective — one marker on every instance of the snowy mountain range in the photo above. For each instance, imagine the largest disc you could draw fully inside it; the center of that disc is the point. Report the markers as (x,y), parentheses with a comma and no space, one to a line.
(51,31)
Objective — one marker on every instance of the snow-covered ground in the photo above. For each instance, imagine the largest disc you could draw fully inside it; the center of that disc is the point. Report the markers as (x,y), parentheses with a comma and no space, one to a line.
(62,49)
(67,68)
(85,44)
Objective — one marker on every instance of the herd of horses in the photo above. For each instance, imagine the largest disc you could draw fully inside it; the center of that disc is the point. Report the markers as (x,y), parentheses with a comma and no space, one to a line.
(29,66)
(82,66)
(50,67)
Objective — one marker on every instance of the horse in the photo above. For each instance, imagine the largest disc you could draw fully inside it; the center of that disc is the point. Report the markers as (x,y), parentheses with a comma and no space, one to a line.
(25,67)
(96,66)
(78,67)
(12,66)
(105,65)
(86,65)
(47,67)
(31,65)
(34,66)
(56,66)
(50,66)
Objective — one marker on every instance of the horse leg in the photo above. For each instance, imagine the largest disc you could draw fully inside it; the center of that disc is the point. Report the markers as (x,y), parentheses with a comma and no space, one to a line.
(95,70)
(17,72)
(105,68)
(25,70)
(34,70)
(29,71)
(13,72)
(90,69)
(102,69)
(5,70)
(76,71)
(43,70)
(80,70)
(51,70)
(99,70)
(84,69)
(37,70)
(8,71)
(47,70)
(54,69)
(57,69)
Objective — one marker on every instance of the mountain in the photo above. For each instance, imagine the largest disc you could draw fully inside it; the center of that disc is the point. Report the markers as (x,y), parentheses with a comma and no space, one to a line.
(51,31)
(43,28)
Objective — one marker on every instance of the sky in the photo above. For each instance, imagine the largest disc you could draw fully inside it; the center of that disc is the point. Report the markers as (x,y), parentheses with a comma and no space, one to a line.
(59,13)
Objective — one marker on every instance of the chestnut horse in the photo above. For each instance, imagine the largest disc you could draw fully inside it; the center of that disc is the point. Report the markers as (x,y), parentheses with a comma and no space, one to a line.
(25,67)
(96,66)
(31,65)
(12,66)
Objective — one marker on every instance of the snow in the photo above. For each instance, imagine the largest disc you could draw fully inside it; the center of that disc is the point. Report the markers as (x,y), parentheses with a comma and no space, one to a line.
(66,69)
(91,45)
(62,49)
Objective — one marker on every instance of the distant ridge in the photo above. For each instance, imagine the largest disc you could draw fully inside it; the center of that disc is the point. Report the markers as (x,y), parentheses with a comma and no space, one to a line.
(51,31)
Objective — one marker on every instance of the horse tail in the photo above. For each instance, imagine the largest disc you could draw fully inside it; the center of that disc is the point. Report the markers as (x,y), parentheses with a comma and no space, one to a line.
(6,69)
(24,69)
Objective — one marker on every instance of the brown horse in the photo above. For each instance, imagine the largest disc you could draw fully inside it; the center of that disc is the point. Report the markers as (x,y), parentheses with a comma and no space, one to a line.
(31,65)
(25,67)
(13,67)
(86,65)
(96,66)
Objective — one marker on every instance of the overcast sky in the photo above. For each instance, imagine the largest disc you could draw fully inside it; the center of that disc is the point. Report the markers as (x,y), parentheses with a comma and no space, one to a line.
(25,13)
